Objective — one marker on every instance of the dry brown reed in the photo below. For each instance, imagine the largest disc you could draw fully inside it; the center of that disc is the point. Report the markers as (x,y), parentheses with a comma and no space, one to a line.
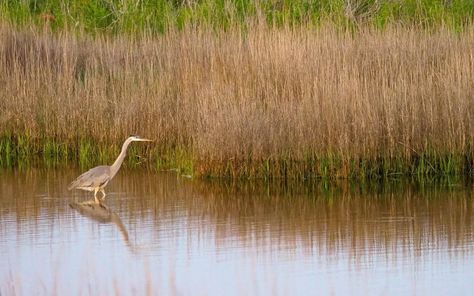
(237,98)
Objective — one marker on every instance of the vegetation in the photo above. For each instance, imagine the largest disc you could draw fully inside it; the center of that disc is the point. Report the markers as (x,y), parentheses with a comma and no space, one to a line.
(288,102)
(157,16)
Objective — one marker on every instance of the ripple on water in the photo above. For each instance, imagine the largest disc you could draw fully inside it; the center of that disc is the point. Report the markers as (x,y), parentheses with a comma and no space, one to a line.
(163,235)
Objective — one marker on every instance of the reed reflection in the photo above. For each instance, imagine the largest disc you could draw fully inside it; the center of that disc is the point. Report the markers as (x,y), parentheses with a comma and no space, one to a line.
(399,219)
(340,220)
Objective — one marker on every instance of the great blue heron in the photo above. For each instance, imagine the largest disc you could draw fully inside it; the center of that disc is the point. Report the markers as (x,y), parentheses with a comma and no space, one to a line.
(97,178)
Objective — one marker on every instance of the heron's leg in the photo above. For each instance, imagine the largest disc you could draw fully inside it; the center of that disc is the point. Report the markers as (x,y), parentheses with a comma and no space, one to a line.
(103,193)
(95,195)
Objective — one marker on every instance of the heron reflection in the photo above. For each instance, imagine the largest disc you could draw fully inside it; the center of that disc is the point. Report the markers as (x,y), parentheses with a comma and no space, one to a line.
(101,213)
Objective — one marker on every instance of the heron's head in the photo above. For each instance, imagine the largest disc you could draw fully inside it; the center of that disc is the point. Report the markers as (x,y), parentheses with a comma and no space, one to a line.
(136,138)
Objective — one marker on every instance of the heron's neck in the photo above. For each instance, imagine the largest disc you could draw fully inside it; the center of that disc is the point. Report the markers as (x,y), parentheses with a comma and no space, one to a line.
(118,162)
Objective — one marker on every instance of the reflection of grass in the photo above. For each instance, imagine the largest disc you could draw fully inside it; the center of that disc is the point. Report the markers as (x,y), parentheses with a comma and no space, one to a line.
(263,103)
(333,221)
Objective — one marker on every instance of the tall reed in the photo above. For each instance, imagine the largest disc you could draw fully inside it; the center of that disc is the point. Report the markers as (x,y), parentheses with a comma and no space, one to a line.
(265,102)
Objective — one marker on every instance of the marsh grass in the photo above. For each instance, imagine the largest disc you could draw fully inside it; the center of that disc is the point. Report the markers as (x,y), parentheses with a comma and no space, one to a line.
(158,16)
(271,103)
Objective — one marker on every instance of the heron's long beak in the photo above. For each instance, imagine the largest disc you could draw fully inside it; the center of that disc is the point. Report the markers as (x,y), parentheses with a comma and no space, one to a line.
(145,140)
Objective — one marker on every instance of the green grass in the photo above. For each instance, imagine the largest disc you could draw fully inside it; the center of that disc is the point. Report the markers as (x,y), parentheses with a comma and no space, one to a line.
(177,159)
(157,16)
(21,151)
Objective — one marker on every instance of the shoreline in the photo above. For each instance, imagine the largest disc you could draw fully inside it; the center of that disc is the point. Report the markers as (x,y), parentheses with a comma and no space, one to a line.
(314,167)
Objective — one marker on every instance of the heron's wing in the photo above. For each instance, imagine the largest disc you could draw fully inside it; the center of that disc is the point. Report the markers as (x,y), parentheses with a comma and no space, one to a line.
(92,178)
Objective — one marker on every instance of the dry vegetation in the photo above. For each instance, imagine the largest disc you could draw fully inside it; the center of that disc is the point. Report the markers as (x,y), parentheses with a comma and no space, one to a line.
(269,102)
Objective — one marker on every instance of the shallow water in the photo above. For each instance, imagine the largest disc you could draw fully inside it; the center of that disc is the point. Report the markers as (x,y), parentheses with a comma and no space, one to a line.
(160,234)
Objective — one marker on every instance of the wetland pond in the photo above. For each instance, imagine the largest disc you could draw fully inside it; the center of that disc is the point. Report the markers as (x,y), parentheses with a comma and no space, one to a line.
(158,234)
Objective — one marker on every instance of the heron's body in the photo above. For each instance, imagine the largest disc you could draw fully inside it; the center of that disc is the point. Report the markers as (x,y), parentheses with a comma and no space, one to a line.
(97,178)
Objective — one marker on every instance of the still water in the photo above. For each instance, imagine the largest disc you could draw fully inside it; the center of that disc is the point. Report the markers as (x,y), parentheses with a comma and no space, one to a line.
(159,234)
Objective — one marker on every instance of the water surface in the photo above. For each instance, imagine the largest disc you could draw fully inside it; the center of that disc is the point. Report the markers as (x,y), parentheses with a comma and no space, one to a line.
(160,234)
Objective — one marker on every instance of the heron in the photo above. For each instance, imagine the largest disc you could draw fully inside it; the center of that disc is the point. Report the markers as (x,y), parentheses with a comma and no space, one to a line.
(97,178)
